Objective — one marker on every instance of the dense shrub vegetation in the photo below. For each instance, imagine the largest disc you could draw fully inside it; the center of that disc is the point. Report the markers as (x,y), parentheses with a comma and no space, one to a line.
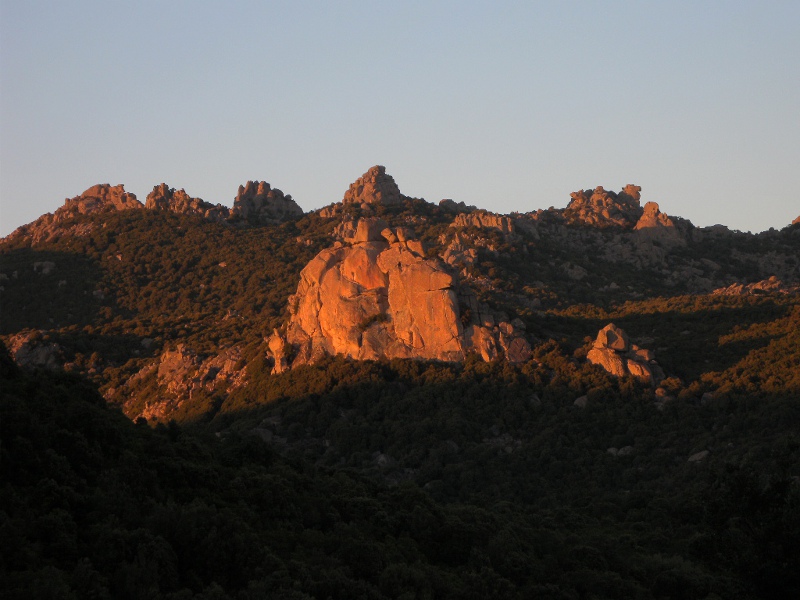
(393,479)
(488,494)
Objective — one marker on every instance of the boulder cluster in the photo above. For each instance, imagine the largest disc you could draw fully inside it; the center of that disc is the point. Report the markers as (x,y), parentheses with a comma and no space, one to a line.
(601,208)
(614,351)
(378,296)
(166,198)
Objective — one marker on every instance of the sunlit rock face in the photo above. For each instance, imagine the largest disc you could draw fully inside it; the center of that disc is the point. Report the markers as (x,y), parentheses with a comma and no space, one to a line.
(614,352)
(101,198)
(485,219)
(378,296)
(166,198)
(373,187)
(601,208)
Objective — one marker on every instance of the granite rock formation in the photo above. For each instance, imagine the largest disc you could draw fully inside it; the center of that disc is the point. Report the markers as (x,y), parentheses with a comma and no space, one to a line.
(486,220)
(451,205)
(164,197)
(378,296)
(257,201)
(180,374)
(772,285)
(601,208)
(654,225)
(97,199)
(614,352)
(373,187)
(31,350)
(100,198)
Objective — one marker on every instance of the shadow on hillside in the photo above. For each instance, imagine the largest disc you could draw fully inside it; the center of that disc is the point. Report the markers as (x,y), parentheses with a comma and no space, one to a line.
(114,349)
(687,344)
(48,290)
(455,431)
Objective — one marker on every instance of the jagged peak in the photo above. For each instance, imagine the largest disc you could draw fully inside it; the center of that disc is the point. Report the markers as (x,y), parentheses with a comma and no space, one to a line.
(603,208)
(101,197)
(164,197)
(373,187)
(257,200)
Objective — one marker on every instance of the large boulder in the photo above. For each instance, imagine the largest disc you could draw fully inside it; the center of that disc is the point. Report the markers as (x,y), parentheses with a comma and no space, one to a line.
(380,297)
(614,352)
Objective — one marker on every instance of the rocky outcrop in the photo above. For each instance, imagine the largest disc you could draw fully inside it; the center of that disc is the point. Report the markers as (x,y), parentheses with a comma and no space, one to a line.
(796,221)
(257,201)
(180,374)
(379,297)
(601,208)
(164,197)
(97,199)
(181,371)
(460,251)
(373,187)
(653,218)
(486,220)
(773,285)
(614,352)
(452,206)
(100,198)
(654,225)
(31,350)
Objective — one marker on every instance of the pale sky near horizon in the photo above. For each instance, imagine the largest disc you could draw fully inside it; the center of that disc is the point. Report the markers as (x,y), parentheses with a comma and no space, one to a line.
(509,106)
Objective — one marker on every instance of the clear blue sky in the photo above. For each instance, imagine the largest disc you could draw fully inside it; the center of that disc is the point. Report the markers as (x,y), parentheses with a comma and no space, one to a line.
(506,105)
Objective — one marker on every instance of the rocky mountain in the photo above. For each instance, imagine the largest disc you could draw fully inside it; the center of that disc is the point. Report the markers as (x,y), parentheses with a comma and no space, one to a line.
(392,398)
(102,198)
(379,297)
(256,202)
(377,276)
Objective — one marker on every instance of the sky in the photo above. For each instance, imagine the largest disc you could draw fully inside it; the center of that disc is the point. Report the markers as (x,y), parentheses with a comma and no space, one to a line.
(509,106)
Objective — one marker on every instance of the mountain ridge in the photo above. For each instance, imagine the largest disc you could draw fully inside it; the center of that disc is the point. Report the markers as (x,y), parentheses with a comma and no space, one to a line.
(509,278)
(618,417)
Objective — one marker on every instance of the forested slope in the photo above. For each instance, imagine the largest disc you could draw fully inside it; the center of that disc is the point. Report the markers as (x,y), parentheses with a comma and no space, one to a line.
(401,478)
